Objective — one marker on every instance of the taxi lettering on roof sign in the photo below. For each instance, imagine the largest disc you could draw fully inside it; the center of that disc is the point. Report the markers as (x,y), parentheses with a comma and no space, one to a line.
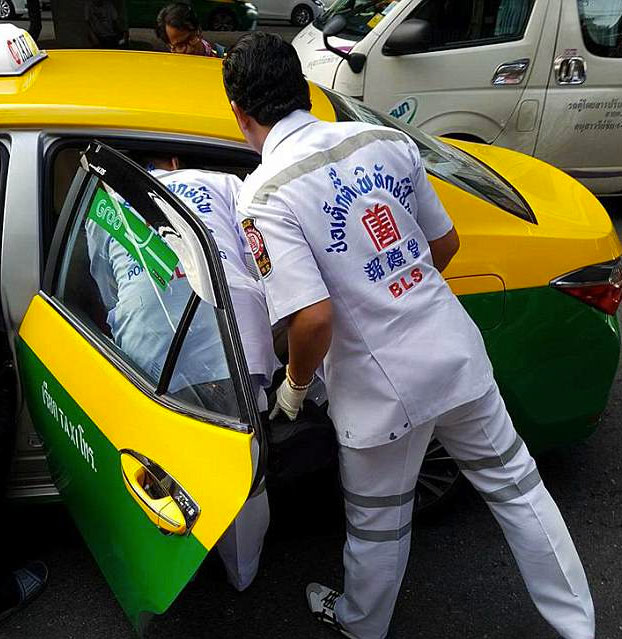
(18,51)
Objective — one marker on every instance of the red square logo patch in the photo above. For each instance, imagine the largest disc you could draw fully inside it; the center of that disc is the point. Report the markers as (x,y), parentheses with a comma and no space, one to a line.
(381,226)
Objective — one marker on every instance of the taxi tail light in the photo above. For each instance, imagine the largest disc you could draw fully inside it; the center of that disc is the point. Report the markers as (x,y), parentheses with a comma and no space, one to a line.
(599,285)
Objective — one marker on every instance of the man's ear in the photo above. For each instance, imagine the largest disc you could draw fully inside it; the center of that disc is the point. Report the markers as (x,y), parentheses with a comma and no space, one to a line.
(240,115)
(175,163)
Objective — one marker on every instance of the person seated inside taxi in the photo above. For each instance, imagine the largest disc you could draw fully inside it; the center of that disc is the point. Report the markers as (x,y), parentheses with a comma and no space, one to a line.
(143,316)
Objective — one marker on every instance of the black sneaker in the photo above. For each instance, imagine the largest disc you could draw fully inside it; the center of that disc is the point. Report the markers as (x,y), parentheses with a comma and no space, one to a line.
(322,603)
(30,581)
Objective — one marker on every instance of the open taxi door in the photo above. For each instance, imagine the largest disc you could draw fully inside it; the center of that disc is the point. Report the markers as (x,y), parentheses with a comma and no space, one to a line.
(134,374)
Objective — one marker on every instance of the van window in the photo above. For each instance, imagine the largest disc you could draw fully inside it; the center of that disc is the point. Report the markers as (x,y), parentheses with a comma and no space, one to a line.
(464,23)
(601,24)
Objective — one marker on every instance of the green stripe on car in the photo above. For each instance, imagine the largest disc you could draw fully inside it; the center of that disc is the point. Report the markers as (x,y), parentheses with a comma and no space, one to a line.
(103,509)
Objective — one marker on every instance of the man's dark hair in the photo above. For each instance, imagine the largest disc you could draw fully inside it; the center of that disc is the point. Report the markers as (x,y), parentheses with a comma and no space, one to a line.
(179,15)
(263,76)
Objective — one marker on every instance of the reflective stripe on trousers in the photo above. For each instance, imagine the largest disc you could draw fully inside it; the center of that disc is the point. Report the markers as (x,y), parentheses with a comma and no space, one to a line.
(379,491)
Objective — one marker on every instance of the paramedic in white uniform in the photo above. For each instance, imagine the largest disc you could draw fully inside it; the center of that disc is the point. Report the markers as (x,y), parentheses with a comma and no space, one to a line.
(133,305)
(350,239)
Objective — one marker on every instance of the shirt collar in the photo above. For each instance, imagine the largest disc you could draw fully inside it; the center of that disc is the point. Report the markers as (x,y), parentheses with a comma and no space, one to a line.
(284,128)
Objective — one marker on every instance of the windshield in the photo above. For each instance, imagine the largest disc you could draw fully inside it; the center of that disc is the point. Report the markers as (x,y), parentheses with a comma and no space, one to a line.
(361,16)
(442,160)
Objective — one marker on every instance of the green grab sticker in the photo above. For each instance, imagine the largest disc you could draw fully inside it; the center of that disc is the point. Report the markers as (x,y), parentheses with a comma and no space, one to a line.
(140,241)
(145,568)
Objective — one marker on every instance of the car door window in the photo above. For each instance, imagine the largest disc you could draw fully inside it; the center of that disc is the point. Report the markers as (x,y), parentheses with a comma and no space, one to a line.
(122,280)
(601,25)
(464,23)
(63,155)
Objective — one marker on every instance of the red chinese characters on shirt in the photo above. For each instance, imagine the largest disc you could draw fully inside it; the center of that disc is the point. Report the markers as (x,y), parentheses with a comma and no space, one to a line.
(381,226)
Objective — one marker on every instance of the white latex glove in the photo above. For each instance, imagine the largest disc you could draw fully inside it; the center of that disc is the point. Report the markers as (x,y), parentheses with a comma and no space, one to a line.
(288,400)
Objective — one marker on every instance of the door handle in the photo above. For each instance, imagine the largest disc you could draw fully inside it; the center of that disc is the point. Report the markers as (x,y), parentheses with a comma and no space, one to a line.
(570,70)
(159,496)
(510,73)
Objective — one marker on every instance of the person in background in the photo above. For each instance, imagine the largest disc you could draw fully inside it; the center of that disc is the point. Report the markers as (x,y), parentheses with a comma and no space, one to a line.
(34,16)
(104,27)
(20,582)
(178,26)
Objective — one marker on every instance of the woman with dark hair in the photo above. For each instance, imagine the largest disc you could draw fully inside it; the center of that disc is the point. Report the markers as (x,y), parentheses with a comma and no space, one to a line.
(178,26)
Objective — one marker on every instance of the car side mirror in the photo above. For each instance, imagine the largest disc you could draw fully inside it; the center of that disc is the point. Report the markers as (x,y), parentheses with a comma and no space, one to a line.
(412,36)
(334,27)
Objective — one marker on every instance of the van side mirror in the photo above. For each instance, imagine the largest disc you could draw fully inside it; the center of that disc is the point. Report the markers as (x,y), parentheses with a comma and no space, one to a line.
(334,27)
(412,36)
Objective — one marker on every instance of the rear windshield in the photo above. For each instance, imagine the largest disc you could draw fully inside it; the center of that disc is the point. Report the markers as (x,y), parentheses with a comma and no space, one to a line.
(442,160)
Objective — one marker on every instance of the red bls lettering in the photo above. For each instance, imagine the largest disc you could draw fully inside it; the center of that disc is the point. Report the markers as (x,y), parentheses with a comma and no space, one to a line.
(397,288)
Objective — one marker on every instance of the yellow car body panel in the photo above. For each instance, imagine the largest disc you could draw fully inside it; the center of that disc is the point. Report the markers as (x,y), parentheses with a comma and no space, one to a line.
(184,95)
(522,253)
(222,481)
(171,93)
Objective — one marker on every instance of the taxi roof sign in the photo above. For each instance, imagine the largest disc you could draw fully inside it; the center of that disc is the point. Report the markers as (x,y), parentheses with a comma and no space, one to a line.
(18,51)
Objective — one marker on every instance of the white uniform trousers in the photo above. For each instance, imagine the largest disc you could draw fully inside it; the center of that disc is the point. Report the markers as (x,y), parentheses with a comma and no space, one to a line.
(379,485)
(241,544)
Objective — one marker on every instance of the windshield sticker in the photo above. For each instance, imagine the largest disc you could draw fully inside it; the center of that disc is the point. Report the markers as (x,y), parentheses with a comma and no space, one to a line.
(404,110)
(73,432)
(140,241)
(390,7)
(375,21)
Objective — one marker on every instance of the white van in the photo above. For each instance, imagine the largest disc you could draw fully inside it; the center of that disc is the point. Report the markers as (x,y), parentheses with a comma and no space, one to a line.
(540,76)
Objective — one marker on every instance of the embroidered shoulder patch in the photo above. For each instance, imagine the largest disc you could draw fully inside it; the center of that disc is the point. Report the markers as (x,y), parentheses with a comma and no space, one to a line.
(257,246)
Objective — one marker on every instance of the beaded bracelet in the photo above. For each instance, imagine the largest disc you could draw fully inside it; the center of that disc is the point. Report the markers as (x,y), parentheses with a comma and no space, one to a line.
(293,385)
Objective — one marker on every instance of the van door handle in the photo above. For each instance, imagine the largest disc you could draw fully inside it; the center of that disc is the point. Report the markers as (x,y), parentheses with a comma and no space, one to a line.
(159,496)
(510,73)
(570,70)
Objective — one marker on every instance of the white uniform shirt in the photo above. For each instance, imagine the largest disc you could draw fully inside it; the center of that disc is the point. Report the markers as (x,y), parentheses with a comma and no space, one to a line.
(346,211)
(142,317)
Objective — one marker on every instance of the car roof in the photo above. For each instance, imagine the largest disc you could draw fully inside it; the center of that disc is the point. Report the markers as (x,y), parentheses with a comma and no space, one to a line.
(126,90)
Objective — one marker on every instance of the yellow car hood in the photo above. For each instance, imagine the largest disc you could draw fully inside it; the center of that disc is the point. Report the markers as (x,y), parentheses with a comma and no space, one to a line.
(572,228)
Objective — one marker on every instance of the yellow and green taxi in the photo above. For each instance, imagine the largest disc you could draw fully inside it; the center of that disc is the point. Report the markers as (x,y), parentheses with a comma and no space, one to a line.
(153,476)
